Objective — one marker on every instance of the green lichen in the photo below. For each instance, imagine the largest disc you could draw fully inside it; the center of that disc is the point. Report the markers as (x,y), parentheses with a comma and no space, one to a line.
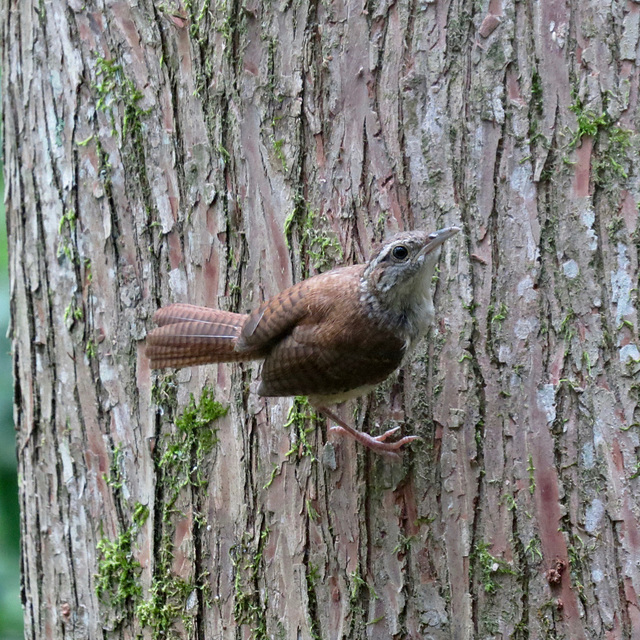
(458,30)
(180,459)
(164,392)
(298,418)
(250,602)
(180,463)
(115,478)
(318,244)
(534,550)
(312,514)
(170,598)
(610,161)
(360,593)
(615,226)
(72,313)
(404,544)
(536,92)
(224,154)
(509,501)
(489,567)
(85,142)
(66,230)
(588,121)
(104,171)
(68,221)
(90,349)
(118,578)
(196,19)
(312,577)
(114,87)
(611,164)
(117,96)
(567,329)
(278,151)
(532,477)
(499,315)
(184,452)
(275,471)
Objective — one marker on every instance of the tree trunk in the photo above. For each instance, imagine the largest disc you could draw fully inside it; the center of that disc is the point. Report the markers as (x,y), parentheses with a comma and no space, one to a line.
(214,153)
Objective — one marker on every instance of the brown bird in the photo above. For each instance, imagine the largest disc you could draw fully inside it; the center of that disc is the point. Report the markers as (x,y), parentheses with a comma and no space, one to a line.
(331,337)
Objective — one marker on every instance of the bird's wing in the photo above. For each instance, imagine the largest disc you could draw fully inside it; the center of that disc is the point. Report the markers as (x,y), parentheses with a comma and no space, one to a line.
(316,341)
(274,318)
(303,363)
(278,316)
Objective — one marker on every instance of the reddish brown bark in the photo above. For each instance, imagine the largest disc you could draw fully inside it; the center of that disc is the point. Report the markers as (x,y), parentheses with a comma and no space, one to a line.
(213,154)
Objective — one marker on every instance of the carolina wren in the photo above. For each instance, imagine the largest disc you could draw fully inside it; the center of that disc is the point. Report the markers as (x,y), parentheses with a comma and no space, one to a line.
(331,337)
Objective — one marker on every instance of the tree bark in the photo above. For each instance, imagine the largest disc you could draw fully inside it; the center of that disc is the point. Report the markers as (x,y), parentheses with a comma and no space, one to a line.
(214,153)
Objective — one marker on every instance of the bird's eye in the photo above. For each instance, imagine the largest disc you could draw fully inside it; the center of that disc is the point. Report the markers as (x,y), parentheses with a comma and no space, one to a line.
(400,252)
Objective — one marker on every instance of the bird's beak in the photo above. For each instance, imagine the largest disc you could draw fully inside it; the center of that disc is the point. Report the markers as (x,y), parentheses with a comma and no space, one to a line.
(436,238)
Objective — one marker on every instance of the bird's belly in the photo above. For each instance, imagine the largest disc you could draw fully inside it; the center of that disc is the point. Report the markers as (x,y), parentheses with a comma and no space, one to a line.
(318,400)
(296,369)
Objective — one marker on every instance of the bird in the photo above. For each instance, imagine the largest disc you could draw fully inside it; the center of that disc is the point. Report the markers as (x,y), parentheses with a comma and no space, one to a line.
(331,337)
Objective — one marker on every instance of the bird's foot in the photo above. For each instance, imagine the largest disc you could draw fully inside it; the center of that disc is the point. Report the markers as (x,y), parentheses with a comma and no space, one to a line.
(378,444)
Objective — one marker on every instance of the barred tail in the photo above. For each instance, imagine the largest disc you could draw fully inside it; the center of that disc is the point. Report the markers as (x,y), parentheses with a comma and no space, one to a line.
(189,335)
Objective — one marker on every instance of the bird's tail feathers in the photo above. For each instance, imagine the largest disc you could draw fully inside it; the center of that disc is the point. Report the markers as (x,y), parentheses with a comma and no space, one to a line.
(190,335)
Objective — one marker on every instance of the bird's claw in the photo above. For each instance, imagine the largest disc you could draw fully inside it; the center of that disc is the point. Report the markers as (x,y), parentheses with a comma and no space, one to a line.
(379,443)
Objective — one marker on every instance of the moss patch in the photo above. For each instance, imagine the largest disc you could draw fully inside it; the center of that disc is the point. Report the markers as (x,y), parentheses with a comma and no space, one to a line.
(250,606)
(610,163)
(298,418)
(180,460)
(114,87)
(180,464)
(118,578)
(489,567)
(184,452)
(320,247)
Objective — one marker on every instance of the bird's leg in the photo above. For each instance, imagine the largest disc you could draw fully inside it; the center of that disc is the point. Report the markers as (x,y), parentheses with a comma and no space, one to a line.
(378,444)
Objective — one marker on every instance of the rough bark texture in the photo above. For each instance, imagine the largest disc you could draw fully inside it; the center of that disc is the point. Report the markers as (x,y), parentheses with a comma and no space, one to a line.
(215,152)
